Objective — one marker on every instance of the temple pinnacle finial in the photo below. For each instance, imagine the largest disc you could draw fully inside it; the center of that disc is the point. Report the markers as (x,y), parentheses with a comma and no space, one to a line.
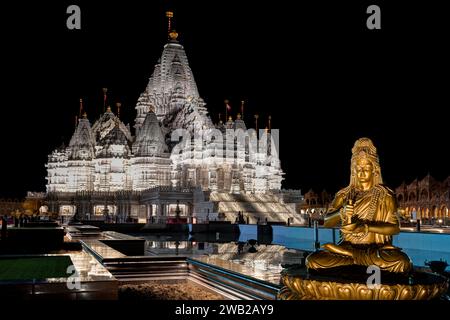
(105,90)
(118,105)
(172,34)
(227,108)
(108,109)
(256,124)
(239,116)
(85,115)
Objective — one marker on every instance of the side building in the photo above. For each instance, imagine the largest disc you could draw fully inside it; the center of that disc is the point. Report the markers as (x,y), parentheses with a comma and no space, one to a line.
(426,199)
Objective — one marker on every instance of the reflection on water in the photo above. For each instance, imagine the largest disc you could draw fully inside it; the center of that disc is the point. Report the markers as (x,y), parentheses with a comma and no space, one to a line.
(287,245)
(261,261)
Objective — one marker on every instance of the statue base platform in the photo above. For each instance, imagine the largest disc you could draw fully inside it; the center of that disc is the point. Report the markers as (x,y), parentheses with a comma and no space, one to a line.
(350,283)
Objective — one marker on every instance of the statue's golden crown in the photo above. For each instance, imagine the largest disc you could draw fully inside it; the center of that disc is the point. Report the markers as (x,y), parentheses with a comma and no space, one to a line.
(364,145)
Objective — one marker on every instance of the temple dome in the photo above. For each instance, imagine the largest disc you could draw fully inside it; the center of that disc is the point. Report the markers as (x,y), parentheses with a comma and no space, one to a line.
(172,92)
(81,146)
(107,122)
(114,144)
(150,140)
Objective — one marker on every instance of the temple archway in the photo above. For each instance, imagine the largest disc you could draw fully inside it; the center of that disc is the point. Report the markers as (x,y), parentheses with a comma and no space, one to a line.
(99,210)
(426,213)
(407,213)
(67,210)
(421,212)
(434,212)
(443,212)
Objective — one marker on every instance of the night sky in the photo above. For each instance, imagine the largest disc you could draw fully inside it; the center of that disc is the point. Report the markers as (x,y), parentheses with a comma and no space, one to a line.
(323,77)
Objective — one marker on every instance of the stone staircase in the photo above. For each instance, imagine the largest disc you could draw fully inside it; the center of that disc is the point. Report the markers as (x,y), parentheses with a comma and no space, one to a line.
(264,206)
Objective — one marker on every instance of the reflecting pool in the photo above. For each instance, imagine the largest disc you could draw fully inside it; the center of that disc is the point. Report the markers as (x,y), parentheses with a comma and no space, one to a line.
(261,261)
(265,256)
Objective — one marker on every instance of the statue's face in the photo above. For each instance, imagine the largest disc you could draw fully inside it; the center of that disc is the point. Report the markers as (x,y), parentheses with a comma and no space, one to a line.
(364,170)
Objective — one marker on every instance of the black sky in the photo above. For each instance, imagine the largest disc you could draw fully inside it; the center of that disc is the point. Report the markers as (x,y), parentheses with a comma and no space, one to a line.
(325,79)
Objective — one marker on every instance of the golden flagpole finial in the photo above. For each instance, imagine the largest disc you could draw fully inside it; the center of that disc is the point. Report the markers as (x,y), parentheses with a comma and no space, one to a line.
(169,15)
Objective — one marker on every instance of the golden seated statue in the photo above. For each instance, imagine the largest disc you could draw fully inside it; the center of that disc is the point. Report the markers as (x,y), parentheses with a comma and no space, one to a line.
(367,212)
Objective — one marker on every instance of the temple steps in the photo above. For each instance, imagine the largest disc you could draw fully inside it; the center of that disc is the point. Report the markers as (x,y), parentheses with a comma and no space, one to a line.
(142,268)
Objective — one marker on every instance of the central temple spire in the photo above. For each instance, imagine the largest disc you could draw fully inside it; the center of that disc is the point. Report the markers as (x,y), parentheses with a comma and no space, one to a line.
(171,88)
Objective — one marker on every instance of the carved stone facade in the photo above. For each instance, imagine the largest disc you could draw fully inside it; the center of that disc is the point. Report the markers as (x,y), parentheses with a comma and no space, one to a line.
(426,199)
